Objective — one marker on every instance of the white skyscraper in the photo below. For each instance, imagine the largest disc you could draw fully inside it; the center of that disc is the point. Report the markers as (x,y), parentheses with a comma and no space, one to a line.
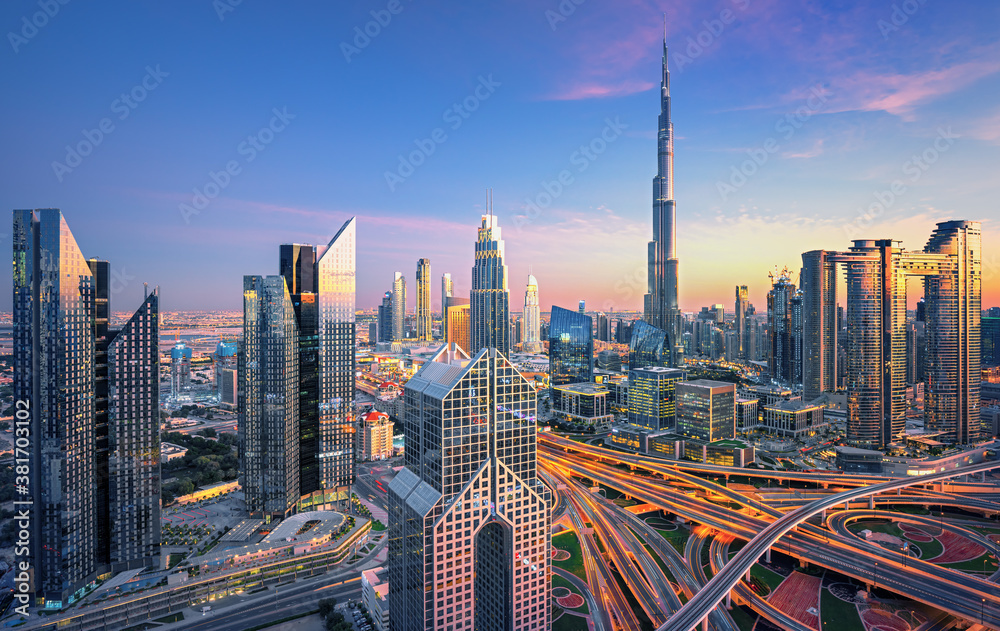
(532,317)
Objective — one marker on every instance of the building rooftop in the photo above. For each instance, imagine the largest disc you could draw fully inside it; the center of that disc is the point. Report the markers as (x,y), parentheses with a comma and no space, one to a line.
(793,406)
(709,384)
(660,369)
(584,387)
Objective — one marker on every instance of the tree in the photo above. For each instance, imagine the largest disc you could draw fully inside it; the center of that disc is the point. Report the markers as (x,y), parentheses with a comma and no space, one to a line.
(326,606)
(208,432)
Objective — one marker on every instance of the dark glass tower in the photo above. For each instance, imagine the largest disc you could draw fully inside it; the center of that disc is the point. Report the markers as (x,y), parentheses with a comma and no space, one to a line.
(490,297)
(647,346)
(571,349)
(469,521)
(781,347)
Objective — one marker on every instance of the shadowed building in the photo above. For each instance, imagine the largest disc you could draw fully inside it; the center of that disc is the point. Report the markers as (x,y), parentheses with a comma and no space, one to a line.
(490,299)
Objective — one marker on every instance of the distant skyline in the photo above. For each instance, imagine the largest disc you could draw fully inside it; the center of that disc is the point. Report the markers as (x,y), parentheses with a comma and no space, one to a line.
(309,117)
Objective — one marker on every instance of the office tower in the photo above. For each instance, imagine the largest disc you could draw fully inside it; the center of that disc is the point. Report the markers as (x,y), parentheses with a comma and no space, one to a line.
(180,370)
(603,328)
(706,410)
(469,521)
(583,306)
(652,397)
(661,308)
(779,326)
(447,291)
(953,290)
(92,394)
(740,324)
(490,299)
(385,318)
(516,330)
(229,388)
(820,326)
(424,320)
(571,349)
(532,317)
(398,307)
(647,346)
(921,310)
(609,360)
(746,415)
(990,332)
(796,336)
(269,398)
(624,333)
(916,351)
(458,323)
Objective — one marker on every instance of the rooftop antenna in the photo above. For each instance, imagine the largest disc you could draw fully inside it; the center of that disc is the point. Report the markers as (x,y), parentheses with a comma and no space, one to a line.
(664,27)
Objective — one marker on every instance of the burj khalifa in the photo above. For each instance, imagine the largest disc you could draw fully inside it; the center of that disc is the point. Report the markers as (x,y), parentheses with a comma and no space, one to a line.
(661,307)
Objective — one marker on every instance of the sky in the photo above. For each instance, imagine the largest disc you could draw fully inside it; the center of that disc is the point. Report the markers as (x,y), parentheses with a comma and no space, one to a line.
(184,141)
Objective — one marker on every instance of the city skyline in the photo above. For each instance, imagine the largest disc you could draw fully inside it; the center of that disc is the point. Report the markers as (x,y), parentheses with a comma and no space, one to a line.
(881,96)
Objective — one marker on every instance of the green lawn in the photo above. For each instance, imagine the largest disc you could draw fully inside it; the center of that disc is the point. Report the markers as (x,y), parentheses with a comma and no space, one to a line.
(568,622)
(928,549)
(568,541)
(842,616)
(677,538)
(742,619)
(886,527)
(974,565)
(558,581)
(770,578)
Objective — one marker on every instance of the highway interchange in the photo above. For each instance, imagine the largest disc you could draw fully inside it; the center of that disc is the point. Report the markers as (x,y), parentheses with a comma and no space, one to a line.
(808,524)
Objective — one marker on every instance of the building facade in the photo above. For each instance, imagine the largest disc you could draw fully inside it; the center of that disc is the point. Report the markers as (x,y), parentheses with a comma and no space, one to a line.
(571,349)
(648,346)
(458,324)
(532,317)
(781,344)
(447,291)
(425,322)
(375,436)
(819,324)
(652,401)
(398,307)
(706,410)
(490,298)
(469,520)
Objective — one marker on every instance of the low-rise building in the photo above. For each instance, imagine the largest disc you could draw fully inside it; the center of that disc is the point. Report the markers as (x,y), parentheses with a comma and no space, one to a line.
(583,403)
(375,437)
(793,419)
(170,451)
(747,416)
(854,460)
(375,596)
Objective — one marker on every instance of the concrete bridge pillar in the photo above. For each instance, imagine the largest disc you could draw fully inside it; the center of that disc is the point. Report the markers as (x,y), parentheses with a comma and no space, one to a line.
(825,485)
(704,623)
(871,502)
(822,516)
(729,600)
(767,557)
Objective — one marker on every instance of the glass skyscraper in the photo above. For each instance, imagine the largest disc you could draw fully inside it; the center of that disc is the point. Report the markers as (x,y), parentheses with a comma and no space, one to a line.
(652,400)
(532,317)
(706,410)
(740,324)
(781,355)
(91,395)
(469,521)
(648,346)
(819,324)
(571,349)
(489,307)
(398,306)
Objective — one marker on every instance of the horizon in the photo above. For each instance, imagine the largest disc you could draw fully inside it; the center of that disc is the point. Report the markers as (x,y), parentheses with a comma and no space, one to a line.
(788,120)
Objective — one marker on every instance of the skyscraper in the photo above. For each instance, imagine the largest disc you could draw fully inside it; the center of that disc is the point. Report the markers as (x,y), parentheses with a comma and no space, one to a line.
(490,298)
(180,370)
(706,410)
(740,324)
(583,306)
(819,324)
(269,398)
(652,397)
(661,307)
(424,320)
(457,322)
(780,359)
(571,349)
(532,317)
(469,521)
(398,306)
(447,291)
(647,346)
(385,318)
(92,397)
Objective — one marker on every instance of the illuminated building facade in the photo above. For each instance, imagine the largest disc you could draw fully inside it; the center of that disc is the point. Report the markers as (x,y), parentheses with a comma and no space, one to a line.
(180,370)
(457,323)
(469,521)
(781,356)
(740,324)
(490,298)
(532,317)
(706,410)
(819,324)
(652,400)
(424,320)
(375,436)
(398,307)
(447,291)
(647,346)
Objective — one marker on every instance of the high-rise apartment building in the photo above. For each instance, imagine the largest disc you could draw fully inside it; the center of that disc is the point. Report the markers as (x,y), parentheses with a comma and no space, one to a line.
(224,358)
(603,327)
(781,355)
(469,520)
(571,349)
(458,324)
(398,307)
(385,318)
(447,291)
(424,319)
(661,307)
(490,298)
(652,400)
(740,324)
(819,324)
(706,410)
(92,395)
(180,370)
(532,317)
(990,332)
